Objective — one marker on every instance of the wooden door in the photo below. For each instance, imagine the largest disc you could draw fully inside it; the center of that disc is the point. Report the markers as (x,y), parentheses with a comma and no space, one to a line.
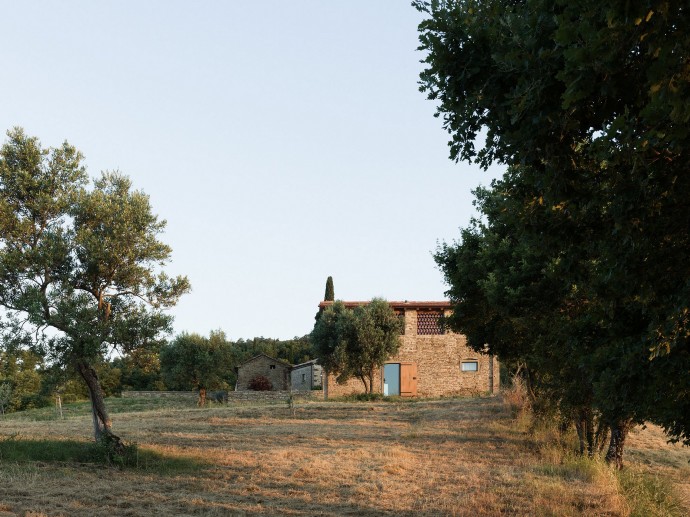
(408,379)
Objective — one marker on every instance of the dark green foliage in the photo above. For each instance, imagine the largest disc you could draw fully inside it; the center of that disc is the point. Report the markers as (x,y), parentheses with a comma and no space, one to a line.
(367,397)
(326,337)
(354,343)
(192,361)
(329,296)
(140,371)
(5,396)
(583,258)
(294,351)
(20,373)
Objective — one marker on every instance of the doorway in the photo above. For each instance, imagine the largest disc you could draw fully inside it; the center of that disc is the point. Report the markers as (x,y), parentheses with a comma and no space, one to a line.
(391,379)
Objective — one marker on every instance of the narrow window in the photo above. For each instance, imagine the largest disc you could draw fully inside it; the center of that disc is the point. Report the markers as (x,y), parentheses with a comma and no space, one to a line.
(469,366)
(304,378)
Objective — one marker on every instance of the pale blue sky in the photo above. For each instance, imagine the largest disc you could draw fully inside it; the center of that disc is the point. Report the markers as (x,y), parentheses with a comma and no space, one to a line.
(283,141)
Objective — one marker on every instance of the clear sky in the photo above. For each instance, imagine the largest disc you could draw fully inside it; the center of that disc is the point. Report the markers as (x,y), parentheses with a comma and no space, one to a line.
(283,141)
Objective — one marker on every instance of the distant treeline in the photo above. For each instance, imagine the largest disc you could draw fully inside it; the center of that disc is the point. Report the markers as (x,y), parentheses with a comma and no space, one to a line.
(28,381)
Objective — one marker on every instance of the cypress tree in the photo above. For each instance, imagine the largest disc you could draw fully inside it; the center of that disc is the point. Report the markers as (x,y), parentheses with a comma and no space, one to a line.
(330,295)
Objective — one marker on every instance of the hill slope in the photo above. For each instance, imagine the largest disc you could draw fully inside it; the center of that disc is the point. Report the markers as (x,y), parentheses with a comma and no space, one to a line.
(447,457)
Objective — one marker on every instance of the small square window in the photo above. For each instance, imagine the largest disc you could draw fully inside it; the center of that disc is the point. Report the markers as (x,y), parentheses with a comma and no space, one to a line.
(469,366)
(272,367)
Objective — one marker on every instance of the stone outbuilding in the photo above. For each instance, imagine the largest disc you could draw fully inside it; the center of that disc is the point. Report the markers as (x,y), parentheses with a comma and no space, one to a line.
(431,361)
(306,376)
(275,370)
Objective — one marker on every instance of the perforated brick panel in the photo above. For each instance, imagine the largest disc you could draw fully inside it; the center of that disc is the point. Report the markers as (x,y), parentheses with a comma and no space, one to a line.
(429,323)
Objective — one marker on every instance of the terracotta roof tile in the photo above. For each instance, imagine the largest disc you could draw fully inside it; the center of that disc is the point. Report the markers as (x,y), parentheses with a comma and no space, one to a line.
(430,305)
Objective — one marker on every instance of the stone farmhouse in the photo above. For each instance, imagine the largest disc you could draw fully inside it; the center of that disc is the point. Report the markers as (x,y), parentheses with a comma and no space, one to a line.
(275,370)
(282,375)
(431,361)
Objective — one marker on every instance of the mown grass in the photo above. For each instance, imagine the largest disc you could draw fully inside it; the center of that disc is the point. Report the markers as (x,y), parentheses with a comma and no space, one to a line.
(116,405)
(443,457)
(14,449)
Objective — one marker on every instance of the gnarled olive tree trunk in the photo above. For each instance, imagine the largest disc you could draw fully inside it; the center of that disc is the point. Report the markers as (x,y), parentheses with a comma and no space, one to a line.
(102,425)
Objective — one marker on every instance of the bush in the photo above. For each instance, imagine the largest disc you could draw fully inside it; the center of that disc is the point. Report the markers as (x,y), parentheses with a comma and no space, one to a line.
(260,383)
(367,397)
(516,396)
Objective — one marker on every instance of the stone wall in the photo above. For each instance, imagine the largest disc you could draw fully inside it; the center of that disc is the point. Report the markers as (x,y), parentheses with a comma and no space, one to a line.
(234,396)
(273,396)
(438,358)
(160,394)
(274,370)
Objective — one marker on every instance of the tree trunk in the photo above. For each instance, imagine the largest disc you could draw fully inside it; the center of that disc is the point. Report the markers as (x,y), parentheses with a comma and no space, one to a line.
(202,397)
(619,432)
(589,432)
(601,436)
(364,381)
(580,428)
(102,425)
(584,424)
(587,417)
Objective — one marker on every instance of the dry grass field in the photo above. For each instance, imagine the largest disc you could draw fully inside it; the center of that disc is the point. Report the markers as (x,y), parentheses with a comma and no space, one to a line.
(446,457)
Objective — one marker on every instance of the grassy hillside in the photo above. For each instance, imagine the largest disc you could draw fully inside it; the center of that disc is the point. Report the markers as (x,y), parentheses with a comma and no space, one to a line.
(448,457)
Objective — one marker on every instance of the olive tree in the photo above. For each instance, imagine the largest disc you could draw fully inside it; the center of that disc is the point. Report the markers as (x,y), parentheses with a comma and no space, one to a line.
(192,361)
(80,267)
(356,342)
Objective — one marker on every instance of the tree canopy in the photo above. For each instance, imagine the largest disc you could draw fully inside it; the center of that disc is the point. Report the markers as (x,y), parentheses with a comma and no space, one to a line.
(355,342)
(583,253)
(192,361)
(85,263)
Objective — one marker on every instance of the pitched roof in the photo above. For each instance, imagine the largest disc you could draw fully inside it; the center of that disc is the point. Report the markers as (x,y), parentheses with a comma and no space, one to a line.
(428,305)
(284,363)
(313,361)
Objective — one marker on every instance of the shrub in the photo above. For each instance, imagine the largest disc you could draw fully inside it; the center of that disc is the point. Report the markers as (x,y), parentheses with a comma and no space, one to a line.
(367,397)
(260,383)
(516,396)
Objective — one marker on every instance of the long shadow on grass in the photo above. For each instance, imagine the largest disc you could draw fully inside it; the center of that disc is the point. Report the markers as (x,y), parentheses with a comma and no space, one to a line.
(14,449)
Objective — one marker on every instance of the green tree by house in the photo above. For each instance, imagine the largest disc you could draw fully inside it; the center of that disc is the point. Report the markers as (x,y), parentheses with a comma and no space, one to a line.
(5,396)
(140,370)
(21,371)
(356,342)
(192,361)
(85,263)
